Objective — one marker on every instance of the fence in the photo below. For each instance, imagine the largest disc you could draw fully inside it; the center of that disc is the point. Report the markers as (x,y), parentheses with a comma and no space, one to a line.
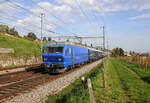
(141,60)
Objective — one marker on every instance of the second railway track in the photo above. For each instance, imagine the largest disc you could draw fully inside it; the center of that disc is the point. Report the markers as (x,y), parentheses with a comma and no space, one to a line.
(13,84)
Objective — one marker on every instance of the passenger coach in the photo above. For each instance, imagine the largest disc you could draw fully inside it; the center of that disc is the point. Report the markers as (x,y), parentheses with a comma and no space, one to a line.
(60,57)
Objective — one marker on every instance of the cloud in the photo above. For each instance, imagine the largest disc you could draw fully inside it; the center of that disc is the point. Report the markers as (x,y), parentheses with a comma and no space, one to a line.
(52,13)
(143,16)
(106,6)
(8,8)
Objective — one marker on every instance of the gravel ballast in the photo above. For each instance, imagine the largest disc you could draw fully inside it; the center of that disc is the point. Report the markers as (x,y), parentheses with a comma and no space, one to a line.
(40,93)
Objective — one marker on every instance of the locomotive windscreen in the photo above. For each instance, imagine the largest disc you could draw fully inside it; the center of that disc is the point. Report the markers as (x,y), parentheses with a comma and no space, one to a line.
(51,49)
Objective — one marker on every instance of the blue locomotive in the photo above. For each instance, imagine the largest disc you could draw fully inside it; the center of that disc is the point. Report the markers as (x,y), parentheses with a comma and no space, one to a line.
(58,58)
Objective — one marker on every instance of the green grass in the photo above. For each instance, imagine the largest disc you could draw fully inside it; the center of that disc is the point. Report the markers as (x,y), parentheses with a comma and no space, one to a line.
(77,92)
(122,86)
(20,46)
(113,92)
(136,89)
(142,72)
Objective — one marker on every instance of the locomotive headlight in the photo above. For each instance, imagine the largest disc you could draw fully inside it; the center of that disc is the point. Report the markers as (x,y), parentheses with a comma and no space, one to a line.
(60,59)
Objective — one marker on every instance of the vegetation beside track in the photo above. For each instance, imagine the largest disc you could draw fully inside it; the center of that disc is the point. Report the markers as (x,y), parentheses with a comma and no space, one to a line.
(77,92)
(142,61)
(141,71)
(21,46)
(124,84)
(113,92)
(135,88)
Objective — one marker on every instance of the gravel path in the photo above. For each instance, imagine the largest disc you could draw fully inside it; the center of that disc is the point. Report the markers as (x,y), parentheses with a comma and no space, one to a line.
(40,93)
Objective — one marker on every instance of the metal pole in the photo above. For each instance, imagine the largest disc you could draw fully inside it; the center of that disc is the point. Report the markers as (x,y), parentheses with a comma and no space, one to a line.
(42,31)
(103,70)
(103,37)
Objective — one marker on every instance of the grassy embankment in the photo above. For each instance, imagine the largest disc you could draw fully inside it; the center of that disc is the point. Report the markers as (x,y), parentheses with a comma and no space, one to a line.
(123,85)
(21,47)
(135,88)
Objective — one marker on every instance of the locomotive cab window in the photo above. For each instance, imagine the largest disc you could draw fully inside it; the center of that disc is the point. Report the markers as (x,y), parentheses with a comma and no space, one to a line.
(54,49)
(68,50)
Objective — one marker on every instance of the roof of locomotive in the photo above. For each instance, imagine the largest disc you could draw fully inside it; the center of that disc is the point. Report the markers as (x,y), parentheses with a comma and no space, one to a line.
(71,43)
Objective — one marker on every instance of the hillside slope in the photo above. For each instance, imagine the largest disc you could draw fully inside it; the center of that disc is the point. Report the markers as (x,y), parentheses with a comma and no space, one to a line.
(20,46)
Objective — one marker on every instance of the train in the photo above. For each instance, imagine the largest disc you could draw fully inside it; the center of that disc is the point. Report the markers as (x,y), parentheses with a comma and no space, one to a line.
(58,58)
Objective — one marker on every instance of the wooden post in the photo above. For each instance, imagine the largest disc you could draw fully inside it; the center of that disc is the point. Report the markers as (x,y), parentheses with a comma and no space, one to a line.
(90,91)
(146,63)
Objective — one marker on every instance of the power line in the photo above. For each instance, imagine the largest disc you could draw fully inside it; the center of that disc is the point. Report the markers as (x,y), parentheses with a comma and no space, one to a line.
(37,15)
(28,24)
(54,16)
(32,13)
(26,29)
(82,11)
(96,19)
(16,4)
(22,7)
(103,19)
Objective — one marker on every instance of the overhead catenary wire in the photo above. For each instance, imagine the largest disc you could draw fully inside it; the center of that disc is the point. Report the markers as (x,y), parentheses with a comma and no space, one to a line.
(26,24)
(59,19)
(25,9)
(32,13)
(16,4)
(103,18)
(35,14)
(97,21)
(25,29)
(82,11)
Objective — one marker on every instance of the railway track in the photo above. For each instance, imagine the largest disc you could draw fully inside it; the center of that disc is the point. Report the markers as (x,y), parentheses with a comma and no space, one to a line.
(13,84)
(17,67)
(17,76)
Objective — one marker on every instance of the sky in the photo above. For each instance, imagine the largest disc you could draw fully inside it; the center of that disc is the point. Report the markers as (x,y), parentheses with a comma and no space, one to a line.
(127,22)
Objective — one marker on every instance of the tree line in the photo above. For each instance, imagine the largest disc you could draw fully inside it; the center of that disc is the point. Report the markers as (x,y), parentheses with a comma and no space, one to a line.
(6,29)
(13,32)
(117,52)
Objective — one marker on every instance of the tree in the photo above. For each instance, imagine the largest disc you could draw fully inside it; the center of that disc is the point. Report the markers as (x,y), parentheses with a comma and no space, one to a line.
(13,32)
(4,28)
(44,39)
(121,52)
(31,36)
(49,39)
(117,52)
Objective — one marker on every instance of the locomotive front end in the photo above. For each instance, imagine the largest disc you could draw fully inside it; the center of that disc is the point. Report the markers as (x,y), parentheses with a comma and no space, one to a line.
(52,57)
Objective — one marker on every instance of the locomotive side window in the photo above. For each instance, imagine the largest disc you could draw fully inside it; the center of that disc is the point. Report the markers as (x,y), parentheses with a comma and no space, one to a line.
(54,49)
